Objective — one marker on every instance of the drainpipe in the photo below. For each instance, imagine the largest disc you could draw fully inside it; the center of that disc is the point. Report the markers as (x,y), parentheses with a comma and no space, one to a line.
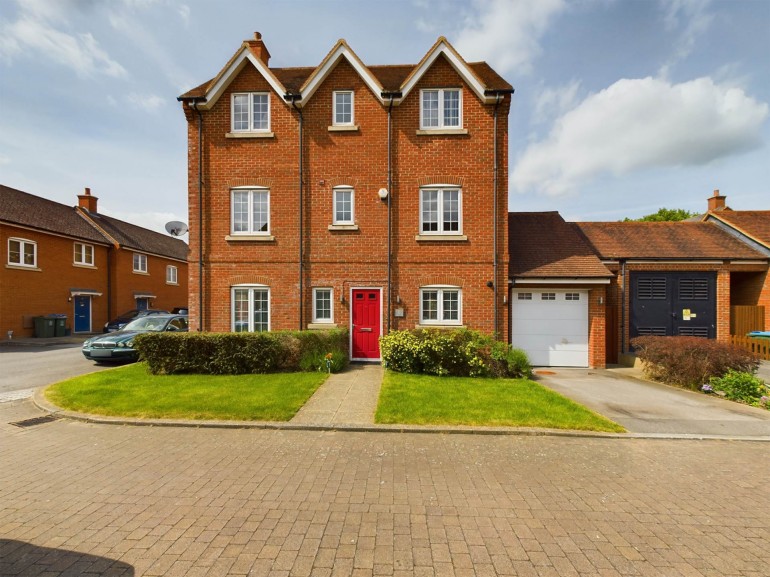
(623,307)
(194,105)
(390,95)
(293,98)
(109,283)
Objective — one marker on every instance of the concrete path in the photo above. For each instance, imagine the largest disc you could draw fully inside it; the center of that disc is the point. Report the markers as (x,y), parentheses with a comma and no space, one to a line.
(348,398)
(655,409)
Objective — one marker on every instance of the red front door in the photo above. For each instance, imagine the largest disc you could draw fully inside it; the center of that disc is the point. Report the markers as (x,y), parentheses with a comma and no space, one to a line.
(366,324)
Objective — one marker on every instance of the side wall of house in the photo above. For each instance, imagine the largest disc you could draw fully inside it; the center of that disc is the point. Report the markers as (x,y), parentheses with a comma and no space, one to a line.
(126,283)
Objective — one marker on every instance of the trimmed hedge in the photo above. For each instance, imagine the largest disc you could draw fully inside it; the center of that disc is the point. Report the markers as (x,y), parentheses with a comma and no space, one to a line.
(459,353)
(242,353)
(691,361)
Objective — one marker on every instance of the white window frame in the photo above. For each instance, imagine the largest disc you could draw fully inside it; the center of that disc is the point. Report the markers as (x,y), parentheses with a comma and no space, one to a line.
(352,192)
(140,262)
(250,288)
(23,242)
(252,190)
(250,112)
(335,120)
(439,320)
(172,274)
(441,92)
(80,251)
(316,319)
(441,189)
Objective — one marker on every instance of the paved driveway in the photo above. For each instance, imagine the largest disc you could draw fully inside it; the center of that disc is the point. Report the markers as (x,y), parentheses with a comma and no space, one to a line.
(87,499)
(651,408)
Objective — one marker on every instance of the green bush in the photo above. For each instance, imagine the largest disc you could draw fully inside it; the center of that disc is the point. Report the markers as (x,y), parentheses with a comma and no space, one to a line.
(460,353)
(691,361)
(241,353)
(739,386)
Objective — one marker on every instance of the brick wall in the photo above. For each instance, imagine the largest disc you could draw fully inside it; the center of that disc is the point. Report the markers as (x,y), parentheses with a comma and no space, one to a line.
(342,259)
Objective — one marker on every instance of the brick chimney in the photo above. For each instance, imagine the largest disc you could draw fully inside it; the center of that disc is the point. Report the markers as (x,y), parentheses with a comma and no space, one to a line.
(258,48)
(716,202)
(87,201)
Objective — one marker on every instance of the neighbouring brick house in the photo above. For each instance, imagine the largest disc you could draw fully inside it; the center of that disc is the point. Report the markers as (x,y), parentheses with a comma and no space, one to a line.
(345,195)
(74,261)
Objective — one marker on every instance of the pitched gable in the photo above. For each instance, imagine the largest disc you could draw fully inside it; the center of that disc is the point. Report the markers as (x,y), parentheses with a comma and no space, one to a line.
(753,224)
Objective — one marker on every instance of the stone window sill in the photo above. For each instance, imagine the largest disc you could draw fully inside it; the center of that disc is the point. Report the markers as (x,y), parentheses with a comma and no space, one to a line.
(142,272)
(344,128)
(250,238)
(441,238)
(250,135)
(442,132)
(343,227)
(81,265)
(21,267)
(432,326)
(321,326)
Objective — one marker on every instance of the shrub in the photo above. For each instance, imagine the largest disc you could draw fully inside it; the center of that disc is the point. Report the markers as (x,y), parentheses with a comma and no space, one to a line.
(461,353)
(691,361)
(240,353)
(740,386)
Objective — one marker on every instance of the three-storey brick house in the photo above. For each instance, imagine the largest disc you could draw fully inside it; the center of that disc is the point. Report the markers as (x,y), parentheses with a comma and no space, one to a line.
(344,195)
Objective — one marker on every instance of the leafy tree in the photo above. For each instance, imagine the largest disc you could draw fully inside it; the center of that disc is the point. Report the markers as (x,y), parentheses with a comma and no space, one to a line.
(664,215)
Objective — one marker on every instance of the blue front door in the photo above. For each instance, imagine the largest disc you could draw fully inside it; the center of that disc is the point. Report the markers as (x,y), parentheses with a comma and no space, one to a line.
(82,314)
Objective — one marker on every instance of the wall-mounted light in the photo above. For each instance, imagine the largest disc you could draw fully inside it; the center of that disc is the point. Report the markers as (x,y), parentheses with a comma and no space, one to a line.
(398,299)
(69,299)
(342,298)
(382,193)
(601,300)
(505,299)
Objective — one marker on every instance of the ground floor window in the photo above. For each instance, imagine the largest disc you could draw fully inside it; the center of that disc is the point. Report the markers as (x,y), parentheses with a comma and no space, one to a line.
(251,309)
(441,305)
(322,305)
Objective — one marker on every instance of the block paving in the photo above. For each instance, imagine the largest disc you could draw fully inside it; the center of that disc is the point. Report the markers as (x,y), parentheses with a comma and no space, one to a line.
(93,499)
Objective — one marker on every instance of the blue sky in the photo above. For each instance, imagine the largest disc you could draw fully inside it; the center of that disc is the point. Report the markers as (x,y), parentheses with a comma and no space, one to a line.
(621,106)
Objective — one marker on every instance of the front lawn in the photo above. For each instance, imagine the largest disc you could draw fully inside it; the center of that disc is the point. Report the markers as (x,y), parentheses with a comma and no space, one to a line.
(130,391)
(430,400)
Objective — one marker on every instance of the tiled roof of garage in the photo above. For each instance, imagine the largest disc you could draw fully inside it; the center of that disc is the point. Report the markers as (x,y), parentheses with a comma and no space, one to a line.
(542,245)
(664,240)
(755,224)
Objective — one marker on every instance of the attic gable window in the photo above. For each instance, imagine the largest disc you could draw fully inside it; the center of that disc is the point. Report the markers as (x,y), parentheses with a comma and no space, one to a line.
(250,112)
(441,108)
(343,108)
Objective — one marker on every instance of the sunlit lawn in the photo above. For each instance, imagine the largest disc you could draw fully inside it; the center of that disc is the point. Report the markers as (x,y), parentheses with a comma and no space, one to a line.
(429,400)
(130,391)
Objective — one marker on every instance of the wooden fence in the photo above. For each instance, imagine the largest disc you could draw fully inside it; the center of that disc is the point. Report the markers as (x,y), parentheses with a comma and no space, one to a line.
(759,347)
(744,319)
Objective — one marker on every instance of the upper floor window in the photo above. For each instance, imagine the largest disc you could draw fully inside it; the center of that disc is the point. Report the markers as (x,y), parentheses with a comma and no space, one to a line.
(323,301)
(84,254)
(344,205)
(251,112)
(171,274)
(251,211)
(251,308)
(343,108)
(22,252)
(441,108)
(140,262)
(440,305)
(441,211)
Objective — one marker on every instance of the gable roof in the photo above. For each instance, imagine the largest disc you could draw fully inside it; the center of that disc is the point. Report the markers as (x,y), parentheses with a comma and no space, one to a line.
(27,210)
(133,237)
(542,245)
(664,240)
(753,224)
(390,79)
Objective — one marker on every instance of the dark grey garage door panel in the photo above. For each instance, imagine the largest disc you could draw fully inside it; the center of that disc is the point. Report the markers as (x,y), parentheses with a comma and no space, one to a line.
(673,303)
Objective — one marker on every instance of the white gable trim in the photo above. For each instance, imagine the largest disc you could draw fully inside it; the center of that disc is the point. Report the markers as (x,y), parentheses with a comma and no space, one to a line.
(342,50)
(237,64)
(443,47)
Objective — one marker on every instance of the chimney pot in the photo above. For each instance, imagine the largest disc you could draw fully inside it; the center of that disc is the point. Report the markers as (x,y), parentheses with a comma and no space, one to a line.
(258,48)
(717,201)
(87,201)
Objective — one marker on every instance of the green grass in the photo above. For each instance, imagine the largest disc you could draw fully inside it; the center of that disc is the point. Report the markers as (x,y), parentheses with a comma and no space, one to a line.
(130,391)
(429,400)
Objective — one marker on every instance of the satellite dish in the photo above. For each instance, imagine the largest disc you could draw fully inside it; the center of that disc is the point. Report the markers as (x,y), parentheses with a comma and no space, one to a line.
(176,228)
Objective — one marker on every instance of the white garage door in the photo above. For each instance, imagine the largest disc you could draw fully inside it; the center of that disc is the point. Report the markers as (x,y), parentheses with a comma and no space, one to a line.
(551,326)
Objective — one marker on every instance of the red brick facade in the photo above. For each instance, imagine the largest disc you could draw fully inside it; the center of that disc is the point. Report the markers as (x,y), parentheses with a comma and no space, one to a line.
(354,256)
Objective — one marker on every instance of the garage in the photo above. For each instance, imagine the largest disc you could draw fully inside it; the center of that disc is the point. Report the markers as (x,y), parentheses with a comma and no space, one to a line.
(551,326)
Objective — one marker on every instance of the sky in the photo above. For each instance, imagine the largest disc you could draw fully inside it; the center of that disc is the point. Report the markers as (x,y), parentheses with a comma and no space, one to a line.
(621,106)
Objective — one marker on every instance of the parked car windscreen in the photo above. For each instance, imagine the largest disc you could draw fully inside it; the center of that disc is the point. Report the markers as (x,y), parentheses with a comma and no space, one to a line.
(149,323)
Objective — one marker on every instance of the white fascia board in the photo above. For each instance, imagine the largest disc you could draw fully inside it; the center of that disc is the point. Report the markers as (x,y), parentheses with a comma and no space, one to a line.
(320,75)
(683,262)
(232,71)
(460,67)
(565,280)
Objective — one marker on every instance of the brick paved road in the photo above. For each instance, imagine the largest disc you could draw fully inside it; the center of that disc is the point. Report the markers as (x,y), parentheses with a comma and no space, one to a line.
(78,498)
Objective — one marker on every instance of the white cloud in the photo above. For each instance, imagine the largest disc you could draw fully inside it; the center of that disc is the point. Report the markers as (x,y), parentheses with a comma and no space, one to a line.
(184,13)
(641,123)
(693,18)
(147,102)
(506,33)
(33,31)
(553,102)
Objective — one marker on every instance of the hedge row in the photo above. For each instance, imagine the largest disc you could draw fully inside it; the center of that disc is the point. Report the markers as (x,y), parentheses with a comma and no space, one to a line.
(243,353)
(460,353)
(691,361)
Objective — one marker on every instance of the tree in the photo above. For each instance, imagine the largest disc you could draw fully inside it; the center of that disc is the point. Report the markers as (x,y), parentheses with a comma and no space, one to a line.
(664,215)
